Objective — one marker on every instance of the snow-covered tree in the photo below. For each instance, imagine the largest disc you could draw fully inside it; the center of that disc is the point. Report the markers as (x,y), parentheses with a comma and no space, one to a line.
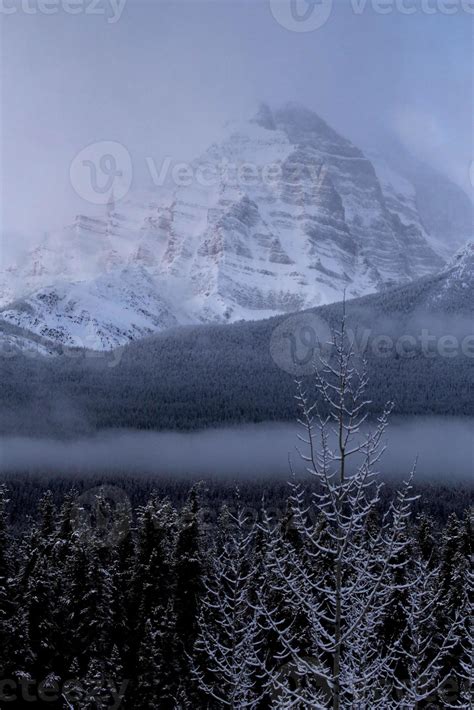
(455,583)
(6,602)
(423,650)
(153,565)
(347,662)
(226,651)
(189,562)
(158,668)
(426,539)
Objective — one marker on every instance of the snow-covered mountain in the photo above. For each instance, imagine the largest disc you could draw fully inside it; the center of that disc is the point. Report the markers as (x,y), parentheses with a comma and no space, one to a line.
(97,314)
(15,341)
(208,375)
(280,215)
(446,211)
(455,293)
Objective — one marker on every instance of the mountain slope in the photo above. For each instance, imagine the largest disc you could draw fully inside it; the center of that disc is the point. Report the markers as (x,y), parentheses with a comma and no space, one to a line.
(280,215)
(456,294)
(199,376)
(99,314)
(445,210)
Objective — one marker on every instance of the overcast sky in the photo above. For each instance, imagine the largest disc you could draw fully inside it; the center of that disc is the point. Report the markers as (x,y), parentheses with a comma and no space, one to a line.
(161,77)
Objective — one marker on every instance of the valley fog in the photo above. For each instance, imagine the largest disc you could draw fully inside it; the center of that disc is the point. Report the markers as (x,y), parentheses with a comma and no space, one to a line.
(443,447)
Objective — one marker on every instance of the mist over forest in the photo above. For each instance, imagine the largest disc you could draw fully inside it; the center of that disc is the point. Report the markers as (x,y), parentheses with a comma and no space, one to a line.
(242,452)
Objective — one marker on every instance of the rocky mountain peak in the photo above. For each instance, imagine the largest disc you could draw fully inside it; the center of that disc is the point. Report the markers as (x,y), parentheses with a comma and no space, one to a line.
(312,216)
(264,117)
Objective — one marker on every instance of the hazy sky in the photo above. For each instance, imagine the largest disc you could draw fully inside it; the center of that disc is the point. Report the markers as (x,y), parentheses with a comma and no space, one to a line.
(161,77)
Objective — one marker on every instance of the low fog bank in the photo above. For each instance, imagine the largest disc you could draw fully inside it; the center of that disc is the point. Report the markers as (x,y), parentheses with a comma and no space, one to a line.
(444,447)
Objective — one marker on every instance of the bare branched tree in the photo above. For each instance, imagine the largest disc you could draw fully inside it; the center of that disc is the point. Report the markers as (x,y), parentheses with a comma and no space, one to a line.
(346,575)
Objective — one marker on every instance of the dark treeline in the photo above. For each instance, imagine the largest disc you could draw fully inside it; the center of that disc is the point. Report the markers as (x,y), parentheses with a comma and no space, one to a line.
(128,597)
(202,376)
(25,490)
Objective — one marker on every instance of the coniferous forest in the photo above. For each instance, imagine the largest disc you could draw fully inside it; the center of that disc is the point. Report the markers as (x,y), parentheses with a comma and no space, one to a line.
(166,606)
(332,592)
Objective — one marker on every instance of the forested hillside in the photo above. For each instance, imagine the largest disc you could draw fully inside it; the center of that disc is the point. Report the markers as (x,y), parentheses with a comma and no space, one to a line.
(206,375)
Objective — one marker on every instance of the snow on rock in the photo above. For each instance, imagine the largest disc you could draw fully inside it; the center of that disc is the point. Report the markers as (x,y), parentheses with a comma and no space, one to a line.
(99,314)
(457,290)
(282,214)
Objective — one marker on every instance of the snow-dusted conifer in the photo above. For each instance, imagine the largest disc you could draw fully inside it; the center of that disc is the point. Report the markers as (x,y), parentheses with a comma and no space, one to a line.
(227,647)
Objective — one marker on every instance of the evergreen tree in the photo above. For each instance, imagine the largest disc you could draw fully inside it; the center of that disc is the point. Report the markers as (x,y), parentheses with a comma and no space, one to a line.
(455,582)
(226,651)
(157,666)
(426,539)
(188,572)
(39,588)
(7,607)
(189,567)
(424,652)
